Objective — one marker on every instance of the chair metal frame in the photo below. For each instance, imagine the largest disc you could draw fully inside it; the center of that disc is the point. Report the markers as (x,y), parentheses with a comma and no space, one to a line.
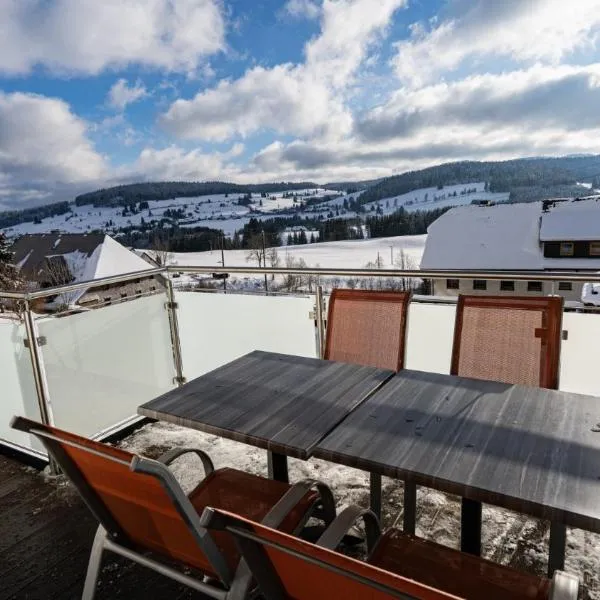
(110,537)
(563,586)
(251,546)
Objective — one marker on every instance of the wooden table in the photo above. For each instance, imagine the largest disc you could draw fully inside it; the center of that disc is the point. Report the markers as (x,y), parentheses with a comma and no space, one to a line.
(527,449)
(285,404)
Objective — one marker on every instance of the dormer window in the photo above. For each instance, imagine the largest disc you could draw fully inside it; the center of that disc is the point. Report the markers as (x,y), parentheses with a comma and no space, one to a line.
(594,248)
(567,248)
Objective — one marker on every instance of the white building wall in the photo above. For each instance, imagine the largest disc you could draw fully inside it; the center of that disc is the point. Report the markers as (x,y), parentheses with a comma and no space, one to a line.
(440,288)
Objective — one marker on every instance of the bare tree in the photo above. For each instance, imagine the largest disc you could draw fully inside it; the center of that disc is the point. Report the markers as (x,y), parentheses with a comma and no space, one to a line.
(256,250)
(405,263)
(161,252)
(293,283)
(273,260)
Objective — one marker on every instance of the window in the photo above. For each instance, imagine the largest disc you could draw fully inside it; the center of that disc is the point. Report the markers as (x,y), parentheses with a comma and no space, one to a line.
(567,248)
(479,284)
(534,286)
(452,284)
(594,248)
(507,286)
(565,286)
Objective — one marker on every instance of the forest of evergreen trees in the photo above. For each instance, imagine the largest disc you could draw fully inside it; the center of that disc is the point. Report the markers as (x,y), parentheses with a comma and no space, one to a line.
(403,223)
(14,217)
(540,174)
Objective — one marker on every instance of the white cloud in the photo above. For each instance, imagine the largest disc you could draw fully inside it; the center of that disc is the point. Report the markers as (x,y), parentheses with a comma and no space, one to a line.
(520,30)
(485,117)
(120,94)
(349,29)
(40,138)
(89,36)
(531,100)
(283,99)
(175,163)
(44,149)
(307,9)
(306,100)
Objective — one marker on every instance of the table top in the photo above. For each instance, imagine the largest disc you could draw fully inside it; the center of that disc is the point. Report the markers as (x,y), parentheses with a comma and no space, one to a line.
(528,449)
(283,403)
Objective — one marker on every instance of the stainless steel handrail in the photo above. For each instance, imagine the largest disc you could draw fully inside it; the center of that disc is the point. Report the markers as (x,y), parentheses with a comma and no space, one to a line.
(593,277)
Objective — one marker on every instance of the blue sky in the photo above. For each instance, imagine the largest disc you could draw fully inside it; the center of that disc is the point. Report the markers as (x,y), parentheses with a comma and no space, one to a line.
(97,93)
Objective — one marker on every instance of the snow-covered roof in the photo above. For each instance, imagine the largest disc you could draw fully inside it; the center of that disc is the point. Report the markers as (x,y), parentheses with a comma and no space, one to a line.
(502,237)
(508,237)
(578,220)
(87,257)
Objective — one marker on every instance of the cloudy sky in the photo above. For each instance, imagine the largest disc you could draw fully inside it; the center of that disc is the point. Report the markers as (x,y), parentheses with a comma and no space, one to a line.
(99,92)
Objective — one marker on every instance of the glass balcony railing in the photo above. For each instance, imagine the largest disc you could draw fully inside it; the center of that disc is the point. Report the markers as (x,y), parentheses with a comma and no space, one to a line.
(94,368)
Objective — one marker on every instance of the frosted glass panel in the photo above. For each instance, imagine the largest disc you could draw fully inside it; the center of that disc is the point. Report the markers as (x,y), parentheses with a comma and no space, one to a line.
(102,364)
(579,364)
(18,396)
(429,338)
(217,328)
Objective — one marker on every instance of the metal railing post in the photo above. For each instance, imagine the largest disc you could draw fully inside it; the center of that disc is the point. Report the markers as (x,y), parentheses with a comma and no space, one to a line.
(320,321)
(39,376)
(174,330)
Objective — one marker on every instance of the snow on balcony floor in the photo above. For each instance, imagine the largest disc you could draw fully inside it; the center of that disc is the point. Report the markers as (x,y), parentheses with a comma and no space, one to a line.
(508,538)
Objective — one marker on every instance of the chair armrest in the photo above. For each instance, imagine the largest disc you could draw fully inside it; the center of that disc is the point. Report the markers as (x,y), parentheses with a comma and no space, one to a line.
(335,533)
(292,497)
(168,457)
(564,586)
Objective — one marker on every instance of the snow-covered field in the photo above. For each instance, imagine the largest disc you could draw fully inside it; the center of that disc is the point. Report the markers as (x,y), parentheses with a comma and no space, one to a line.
(346,254)
(508,538)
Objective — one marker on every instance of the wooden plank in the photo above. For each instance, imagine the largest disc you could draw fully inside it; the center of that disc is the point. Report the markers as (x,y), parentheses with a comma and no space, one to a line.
(282,403)
(528,449)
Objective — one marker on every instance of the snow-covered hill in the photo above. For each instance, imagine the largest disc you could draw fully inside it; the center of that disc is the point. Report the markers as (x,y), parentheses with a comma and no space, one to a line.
(218,211)
(223,211)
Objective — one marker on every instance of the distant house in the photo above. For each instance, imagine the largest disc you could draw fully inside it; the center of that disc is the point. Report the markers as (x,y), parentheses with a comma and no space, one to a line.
(539,236)
(53,259)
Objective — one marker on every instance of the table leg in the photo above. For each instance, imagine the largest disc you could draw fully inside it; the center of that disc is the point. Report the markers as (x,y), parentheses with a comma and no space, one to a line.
(278,467)
(470,530)
(558,542)
(376,494)
(410,507)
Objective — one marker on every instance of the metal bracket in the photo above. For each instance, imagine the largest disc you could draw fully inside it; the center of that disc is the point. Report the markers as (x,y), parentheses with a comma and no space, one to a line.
(312,315)
(565,334)
(179,380)
(171,305)
(41,341)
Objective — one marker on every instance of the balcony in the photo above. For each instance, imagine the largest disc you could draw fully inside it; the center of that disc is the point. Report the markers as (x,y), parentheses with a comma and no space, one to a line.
(88,372)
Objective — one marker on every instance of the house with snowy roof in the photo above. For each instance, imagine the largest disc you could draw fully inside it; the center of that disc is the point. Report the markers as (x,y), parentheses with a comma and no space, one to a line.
(52,259)
(537,236)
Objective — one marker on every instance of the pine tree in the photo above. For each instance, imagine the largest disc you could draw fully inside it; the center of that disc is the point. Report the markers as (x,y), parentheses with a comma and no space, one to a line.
(9,279)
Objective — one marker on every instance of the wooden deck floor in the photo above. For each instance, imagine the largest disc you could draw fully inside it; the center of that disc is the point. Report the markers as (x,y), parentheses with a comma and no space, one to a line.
(46,533)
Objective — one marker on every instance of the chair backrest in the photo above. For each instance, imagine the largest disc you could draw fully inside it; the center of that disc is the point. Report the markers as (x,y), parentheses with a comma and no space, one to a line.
(509,339)
(289,568)
(367,328)
(133,507)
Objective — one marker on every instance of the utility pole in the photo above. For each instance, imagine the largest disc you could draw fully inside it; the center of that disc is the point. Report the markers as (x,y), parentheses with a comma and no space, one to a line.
(223,263)
(264,247)
(391,256)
